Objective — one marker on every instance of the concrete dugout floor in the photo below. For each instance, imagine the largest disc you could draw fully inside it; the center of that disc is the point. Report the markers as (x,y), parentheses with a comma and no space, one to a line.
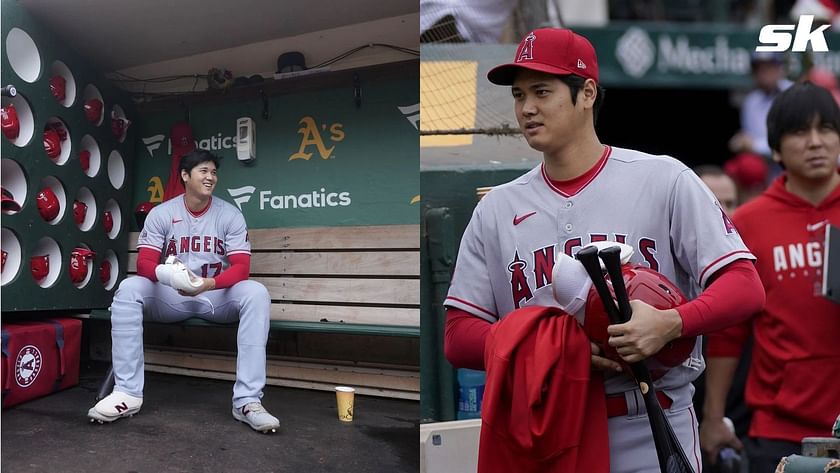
(185,425)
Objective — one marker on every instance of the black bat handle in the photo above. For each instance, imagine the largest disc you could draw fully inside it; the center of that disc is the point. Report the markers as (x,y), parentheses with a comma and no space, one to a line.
(588,257)
(612,260)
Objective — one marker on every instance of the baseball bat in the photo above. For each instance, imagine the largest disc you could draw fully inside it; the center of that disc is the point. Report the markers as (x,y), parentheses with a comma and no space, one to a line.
(669,452)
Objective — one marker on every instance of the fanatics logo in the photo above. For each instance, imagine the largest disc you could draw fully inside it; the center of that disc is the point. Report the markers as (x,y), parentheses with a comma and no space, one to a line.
(27,366)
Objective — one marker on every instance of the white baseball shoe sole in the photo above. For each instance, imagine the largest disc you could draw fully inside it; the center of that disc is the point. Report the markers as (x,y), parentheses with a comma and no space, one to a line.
(255,415)
(115,406)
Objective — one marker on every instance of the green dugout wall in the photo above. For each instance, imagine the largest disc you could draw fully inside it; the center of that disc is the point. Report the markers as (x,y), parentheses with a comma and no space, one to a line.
(336,149)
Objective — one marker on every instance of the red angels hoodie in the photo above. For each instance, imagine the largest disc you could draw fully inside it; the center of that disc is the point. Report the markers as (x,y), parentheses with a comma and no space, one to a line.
(792,383)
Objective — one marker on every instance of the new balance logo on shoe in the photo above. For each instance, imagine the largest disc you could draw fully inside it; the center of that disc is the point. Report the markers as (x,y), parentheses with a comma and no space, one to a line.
(121,408)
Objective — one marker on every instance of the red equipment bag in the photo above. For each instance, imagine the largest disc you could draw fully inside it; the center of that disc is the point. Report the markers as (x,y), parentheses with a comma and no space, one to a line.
(39,358)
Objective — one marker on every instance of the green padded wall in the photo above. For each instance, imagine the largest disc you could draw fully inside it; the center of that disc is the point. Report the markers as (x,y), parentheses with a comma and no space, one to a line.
(26,167)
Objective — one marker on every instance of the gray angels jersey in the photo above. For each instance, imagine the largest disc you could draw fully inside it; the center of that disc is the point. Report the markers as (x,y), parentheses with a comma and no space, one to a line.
(653,203)
(203,242)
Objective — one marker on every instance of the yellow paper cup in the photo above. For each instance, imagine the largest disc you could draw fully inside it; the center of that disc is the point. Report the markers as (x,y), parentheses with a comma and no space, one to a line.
(344,402)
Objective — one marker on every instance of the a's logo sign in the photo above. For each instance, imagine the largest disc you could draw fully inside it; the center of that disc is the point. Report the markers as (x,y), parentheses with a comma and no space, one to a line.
(635,52)
(777,36)
(152,143)
(311,136)
(27,366)
(527,52)
(241,194)
(412,114)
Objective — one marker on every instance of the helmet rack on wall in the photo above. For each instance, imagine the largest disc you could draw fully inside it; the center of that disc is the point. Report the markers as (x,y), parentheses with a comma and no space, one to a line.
(66,149)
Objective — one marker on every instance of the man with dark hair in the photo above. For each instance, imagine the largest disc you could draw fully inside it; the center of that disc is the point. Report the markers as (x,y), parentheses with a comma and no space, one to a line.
(517,249)
(209,237)
(791,386)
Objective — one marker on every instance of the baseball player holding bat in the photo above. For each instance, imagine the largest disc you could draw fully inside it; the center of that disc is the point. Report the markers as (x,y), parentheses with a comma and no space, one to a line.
(517,249)
(194,260)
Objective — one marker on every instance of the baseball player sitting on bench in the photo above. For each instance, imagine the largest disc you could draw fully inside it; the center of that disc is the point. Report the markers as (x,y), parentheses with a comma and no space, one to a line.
(517,249)
(204,242)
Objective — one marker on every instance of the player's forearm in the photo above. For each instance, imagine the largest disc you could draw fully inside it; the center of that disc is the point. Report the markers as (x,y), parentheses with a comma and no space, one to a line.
(239,269)
(719,374)
(733,297)
(147,260)
(464,339)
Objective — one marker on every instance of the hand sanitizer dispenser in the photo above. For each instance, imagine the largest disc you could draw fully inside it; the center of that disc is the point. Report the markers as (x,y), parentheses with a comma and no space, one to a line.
(246,139)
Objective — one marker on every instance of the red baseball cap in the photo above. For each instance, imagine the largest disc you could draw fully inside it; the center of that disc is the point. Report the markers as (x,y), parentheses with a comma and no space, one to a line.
(181,136)
(552,50)
(748,170)
(9,202)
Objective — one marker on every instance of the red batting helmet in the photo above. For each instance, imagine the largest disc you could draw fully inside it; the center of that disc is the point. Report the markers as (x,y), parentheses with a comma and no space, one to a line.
(84,159)
(141,212)
(79,264)
(119,125)
(647,286)
(93,110)
(39,266)
(48,205)
(9,122)
(108,221)
(52,143)
(79,211)
(105,272)
(9,203)
(58,87)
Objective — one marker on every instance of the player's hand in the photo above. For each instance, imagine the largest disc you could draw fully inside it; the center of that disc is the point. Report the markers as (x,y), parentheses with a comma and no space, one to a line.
(600,363)
(648,330)
(207,284)
(714,435)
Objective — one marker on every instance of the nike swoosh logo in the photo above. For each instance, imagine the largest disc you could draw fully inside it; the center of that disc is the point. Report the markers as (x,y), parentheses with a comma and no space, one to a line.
(815,226)
(518,220)
(177,221)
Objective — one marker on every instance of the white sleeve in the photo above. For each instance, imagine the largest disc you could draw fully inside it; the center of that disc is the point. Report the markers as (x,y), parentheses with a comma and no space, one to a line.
(153,235)
(236,238)
(703,238)
(471,289)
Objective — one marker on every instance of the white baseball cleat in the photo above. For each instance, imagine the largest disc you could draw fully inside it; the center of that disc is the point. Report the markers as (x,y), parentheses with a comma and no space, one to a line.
(255,415)
(115,406)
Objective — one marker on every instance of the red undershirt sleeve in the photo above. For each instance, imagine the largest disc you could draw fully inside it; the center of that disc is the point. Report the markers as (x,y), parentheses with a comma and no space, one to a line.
(464,339)
(147,260)
(239,269)
(733,295)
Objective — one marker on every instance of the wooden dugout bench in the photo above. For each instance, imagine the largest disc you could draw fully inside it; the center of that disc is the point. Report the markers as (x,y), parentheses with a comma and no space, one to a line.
(345,280)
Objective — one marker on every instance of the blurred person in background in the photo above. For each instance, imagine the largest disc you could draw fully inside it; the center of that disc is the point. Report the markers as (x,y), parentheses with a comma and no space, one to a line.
(458,21)
(768,72)
(791,386)
(721,185)
(750,173)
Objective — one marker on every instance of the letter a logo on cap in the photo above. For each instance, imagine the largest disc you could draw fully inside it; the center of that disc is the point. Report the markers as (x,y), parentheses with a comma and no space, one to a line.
(581,65)
(527,48)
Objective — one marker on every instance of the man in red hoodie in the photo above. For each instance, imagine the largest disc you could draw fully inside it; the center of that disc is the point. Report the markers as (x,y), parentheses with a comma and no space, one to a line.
(791,386)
